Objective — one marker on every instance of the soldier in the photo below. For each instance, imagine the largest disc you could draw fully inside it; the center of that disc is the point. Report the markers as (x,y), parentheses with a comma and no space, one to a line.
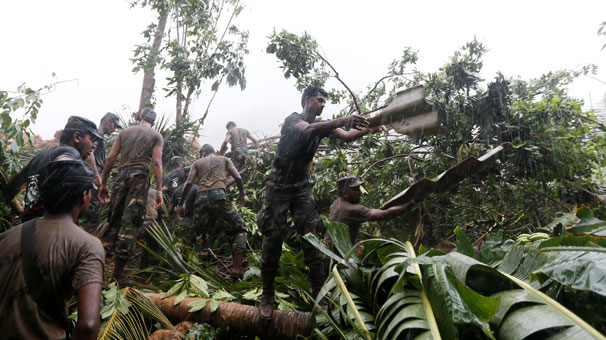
(175,177)
(140,147)
(290,189)
(46,261)
(348,210)
(77,141)
(109,123)
(211,173)
(237,138)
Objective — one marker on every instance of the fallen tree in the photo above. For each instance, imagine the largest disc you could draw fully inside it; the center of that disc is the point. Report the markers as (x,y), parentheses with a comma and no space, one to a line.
(239,318)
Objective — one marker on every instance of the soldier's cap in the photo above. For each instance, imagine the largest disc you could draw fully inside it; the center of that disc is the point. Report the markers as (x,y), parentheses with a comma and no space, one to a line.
(114,118)
(148,115)
(175,160)
(348,182)
(83,124)
(68,174)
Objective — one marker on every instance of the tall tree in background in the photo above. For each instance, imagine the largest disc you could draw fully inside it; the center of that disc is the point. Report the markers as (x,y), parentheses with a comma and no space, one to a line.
(200,44)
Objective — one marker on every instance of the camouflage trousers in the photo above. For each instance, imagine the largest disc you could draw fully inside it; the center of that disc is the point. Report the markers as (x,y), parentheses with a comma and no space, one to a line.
(272,223)
(238,157)
(213,207)
(91,218)
(127,211)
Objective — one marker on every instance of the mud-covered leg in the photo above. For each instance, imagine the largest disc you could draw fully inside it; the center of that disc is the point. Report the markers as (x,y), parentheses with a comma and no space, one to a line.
(271,221)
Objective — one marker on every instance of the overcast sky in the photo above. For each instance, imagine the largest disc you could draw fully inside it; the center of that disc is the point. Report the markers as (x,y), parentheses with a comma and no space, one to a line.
(88,44)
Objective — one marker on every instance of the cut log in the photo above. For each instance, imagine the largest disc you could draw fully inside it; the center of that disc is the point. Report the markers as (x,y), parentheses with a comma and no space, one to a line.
(239,318)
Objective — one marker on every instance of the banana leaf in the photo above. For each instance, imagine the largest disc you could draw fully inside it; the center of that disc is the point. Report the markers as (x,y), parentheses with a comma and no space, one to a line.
(522,314)
(589,224)
(580,268)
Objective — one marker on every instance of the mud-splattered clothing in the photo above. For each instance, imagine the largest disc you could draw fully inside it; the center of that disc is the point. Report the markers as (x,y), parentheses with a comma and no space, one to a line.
(211,172)
(237,137)
(294,155)
(213,211)
(212,207)
(288,188)
(348,213)
(127,209)
(35,174)
(69,258)
(136,145)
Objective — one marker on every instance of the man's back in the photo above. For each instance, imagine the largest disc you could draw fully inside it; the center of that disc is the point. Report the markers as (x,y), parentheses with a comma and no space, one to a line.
(68,258)
(238,137)
(136,144)
(211,172)
(35,173)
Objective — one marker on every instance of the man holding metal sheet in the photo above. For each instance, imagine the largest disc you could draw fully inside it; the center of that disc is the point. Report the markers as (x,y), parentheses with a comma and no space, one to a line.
(289,188)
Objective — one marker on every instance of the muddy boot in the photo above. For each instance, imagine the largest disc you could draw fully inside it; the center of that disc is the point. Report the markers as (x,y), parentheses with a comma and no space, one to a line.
(237,269)
(266,307)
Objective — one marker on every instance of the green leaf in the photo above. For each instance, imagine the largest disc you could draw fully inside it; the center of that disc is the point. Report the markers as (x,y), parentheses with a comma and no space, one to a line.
(197,305)
(464,245)
(214,304)
(588,224)
(180,297)
(581,268)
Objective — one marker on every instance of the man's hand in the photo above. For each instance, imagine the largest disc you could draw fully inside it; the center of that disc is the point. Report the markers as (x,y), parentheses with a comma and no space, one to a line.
(180,211)
(97,180)
(103,194)
(241,201)
(355,121)
(159,199)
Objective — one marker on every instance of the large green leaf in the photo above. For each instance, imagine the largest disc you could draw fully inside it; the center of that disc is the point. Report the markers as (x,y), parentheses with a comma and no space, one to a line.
(589,224)
(581,268)
(455,304)
(523,314)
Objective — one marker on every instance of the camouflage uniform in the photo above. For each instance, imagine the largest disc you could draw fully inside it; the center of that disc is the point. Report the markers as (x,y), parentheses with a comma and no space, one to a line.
(128,206)
(213,206)
(272,223)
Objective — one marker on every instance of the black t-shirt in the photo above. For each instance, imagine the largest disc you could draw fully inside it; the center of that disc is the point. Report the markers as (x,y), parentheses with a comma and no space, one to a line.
(295,153)
(35,173)
(100,154)
(173,180)
(189,200)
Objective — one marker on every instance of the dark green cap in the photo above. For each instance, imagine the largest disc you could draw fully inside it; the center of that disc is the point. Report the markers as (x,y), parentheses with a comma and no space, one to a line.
(348,182)
(148,115)
(83,124)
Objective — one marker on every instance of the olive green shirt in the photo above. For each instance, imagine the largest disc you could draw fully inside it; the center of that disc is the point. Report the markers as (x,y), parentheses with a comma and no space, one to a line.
(68,257)
(211,172)
(136,145)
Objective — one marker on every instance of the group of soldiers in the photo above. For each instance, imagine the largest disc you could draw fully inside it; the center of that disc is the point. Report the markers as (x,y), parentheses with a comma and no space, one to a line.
(71,180)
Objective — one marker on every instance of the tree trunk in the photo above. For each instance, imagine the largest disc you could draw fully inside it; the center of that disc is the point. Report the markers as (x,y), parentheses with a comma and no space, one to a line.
(179,108)
(239,318)
(149,82)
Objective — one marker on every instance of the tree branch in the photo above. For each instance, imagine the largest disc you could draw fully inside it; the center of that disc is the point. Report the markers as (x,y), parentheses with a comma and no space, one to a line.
(353,96)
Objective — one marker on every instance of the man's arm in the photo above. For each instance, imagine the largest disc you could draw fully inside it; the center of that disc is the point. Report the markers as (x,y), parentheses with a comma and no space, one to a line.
(89,300)
(326,128)
(351,135)
(382,215)
(231,169)
(90,159)
(107,169)
(224,145)
(253,139)
(157,169)
(180,210)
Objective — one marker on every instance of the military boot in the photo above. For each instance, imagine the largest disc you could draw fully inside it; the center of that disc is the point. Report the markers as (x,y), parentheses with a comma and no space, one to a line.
(266,307)
(237,269)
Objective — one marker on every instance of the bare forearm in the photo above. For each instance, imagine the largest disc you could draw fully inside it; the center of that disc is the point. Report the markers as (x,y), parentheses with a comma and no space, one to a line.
(352,135)
(108,169)
(240,185)
(185,193)
(382,215)
(157,168)
(323,128)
